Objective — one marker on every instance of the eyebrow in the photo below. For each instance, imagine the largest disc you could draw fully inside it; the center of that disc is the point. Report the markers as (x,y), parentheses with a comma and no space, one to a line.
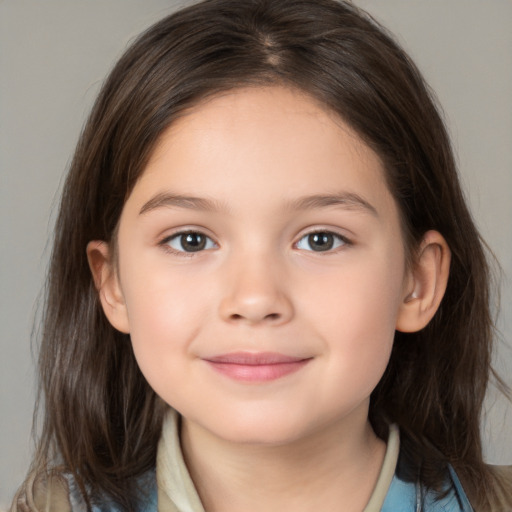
(346,200)
(168,200)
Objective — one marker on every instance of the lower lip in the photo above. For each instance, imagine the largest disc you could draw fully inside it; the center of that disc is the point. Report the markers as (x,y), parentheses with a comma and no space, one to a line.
(258,372)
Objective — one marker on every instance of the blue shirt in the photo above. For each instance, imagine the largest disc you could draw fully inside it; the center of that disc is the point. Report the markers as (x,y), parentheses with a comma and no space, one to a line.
(401,497)
(391,493)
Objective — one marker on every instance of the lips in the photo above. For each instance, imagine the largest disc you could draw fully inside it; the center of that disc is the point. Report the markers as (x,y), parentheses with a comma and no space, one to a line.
(256,367)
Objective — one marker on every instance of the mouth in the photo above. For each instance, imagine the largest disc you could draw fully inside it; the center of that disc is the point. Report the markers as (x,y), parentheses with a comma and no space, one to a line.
(256,367)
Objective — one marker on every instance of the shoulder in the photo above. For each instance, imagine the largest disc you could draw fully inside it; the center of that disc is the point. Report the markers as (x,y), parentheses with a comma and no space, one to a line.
(498,496)
(43,492)
(412,497)
(59,493)
(146,502)
(502,484)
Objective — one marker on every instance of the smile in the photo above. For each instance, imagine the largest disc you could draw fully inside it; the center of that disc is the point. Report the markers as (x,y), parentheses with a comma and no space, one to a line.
(256,367)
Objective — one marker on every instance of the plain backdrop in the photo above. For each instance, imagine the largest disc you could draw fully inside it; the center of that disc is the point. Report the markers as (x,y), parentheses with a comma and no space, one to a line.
(54,55)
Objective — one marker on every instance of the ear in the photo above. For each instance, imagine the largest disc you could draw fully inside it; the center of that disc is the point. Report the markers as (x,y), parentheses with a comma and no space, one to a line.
(426,284)
(107,284)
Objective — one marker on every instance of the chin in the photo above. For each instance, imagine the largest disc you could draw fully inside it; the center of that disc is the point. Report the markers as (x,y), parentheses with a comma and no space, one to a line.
(262,431)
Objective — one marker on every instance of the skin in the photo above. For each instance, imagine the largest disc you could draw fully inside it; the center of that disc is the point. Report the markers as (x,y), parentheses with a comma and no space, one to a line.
(255,158)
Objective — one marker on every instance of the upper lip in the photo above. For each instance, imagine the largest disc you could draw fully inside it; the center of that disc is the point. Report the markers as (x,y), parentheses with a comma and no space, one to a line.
(254,358)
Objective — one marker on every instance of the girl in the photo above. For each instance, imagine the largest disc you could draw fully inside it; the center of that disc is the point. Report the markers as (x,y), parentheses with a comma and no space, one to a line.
(266,290)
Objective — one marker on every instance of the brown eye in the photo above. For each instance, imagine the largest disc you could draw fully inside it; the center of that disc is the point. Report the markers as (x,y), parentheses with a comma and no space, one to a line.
(191,241)
(321,241)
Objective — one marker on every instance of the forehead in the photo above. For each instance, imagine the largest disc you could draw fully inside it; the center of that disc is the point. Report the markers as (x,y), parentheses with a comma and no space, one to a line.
(274,141)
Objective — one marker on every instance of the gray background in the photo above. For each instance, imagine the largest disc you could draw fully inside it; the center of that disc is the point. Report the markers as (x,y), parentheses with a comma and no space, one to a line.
(53,57)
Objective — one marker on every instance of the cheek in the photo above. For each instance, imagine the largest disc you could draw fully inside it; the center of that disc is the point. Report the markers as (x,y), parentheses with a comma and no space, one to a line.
(164,315)
(356,312)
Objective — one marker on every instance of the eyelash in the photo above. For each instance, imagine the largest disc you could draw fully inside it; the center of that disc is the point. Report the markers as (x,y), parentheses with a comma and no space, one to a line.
(165,243)
(341,241)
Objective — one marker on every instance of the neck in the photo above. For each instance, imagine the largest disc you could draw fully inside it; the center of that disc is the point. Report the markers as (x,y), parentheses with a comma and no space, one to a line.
(338,465)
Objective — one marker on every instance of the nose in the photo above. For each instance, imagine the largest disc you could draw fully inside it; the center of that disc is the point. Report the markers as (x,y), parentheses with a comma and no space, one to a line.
(254,293)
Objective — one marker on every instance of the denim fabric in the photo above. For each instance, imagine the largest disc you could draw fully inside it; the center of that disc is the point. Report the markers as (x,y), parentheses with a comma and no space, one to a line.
(408,497)
(401,497)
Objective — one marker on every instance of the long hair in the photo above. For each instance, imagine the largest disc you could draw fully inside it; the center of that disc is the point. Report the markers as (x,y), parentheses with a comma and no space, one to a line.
(101,419)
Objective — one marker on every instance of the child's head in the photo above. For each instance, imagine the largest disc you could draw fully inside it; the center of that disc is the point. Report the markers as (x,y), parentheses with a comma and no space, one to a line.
(263,225)
(325,69)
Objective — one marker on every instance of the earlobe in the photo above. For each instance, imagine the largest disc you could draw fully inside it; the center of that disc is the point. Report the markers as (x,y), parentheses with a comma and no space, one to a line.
(426,284)
(107,284)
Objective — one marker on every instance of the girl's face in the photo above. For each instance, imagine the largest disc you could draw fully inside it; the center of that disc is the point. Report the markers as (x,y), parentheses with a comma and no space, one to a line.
(261,269)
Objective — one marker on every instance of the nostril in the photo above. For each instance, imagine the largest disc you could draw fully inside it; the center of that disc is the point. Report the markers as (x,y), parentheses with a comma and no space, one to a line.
(269,317)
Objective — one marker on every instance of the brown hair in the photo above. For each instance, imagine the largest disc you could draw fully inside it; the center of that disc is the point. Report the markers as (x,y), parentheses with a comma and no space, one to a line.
(102,420)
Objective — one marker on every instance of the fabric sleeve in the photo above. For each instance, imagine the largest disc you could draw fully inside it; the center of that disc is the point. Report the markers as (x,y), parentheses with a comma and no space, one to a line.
(42,493)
